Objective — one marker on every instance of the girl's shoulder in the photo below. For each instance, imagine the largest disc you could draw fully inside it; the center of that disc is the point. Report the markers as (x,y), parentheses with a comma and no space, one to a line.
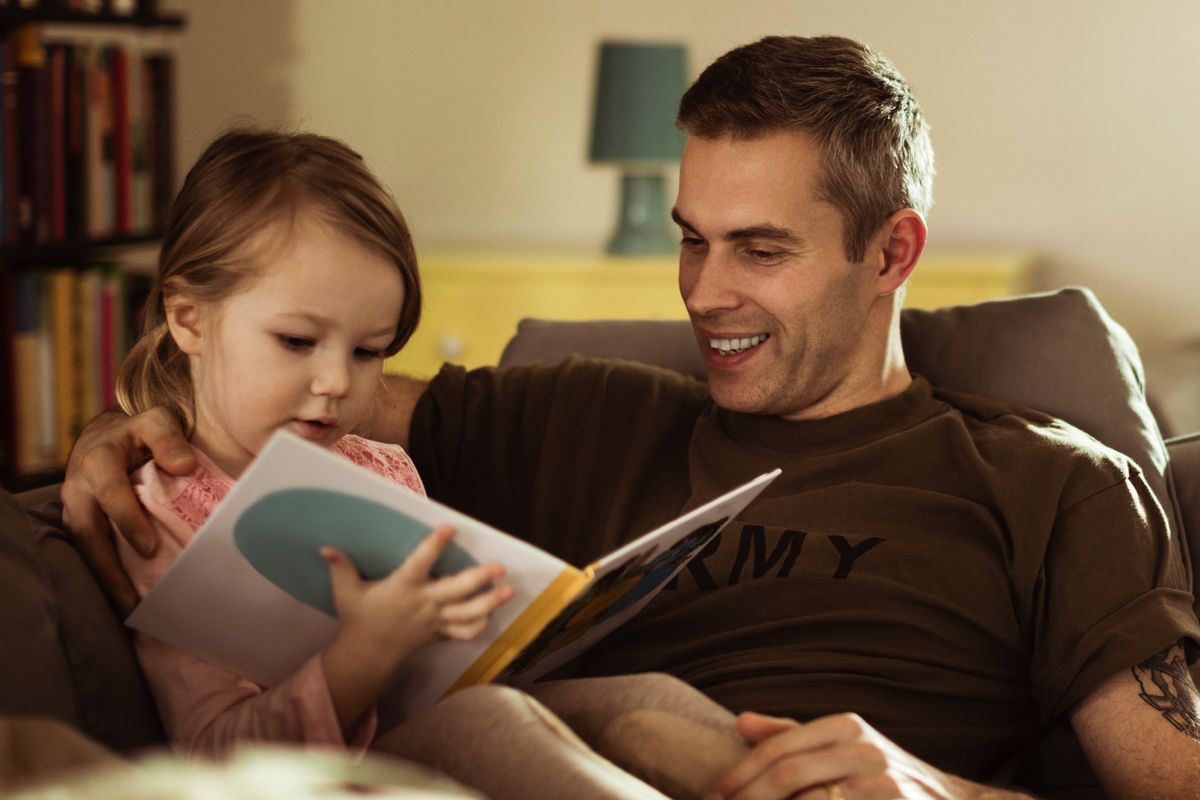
(388,460)
(191,497)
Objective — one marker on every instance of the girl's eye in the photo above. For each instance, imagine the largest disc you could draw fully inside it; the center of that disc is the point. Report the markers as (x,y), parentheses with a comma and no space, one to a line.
(367,354)
(294,342)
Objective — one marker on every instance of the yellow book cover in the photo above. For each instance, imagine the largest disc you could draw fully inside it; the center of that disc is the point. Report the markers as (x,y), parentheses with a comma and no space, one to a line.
(271,608)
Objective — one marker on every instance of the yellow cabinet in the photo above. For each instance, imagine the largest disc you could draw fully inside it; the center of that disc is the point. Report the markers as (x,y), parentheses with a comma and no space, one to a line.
(473,301)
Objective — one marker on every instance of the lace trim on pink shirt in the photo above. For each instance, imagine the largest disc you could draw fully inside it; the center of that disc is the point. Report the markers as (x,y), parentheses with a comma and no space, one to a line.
(387,460)
(203,490)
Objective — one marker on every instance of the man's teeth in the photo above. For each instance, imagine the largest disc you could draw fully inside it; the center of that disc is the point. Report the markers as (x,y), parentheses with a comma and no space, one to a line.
(728,347)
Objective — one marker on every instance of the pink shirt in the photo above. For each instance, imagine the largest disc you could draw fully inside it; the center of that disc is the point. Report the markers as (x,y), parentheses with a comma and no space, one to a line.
(205,708)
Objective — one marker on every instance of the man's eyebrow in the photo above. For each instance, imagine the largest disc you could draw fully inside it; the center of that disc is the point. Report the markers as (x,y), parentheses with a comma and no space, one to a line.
(765,231)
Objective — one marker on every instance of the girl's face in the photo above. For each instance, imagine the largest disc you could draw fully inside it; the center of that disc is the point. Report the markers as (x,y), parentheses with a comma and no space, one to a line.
(300,347)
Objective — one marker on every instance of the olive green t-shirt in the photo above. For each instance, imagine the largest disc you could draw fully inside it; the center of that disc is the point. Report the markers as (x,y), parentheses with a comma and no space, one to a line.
(956,570)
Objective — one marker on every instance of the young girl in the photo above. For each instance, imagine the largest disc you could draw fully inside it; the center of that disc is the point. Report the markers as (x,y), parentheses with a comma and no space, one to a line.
(286,276)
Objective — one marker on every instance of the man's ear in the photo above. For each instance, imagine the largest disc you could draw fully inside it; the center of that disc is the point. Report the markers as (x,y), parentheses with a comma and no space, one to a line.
(184,322)
(903,239)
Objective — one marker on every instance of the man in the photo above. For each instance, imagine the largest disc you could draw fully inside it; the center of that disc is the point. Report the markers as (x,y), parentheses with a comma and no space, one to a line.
(961,574)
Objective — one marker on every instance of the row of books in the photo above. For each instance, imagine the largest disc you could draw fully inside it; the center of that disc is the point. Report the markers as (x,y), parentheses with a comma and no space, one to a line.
(85,139)
(64,332)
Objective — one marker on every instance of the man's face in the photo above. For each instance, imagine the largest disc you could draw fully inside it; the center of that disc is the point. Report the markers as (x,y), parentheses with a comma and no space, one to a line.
(779,313)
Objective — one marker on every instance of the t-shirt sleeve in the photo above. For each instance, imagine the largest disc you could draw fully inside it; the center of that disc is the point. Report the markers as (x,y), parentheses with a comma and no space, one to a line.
(548,452)
(1112,592)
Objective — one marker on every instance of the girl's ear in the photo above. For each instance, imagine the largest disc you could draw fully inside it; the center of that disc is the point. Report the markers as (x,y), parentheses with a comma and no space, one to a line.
(183,320)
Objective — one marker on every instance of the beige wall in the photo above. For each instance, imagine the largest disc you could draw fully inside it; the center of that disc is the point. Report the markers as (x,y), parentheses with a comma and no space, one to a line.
(1070,127)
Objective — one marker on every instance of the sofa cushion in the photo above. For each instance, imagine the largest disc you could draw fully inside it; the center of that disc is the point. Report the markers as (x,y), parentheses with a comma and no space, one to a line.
(35,677)
(66,655)
(1058,352)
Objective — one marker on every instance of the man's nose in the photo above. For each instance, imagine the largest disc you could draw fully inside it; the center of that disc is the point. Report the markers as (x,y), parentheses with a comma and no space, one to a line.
(708,284)
(331,376)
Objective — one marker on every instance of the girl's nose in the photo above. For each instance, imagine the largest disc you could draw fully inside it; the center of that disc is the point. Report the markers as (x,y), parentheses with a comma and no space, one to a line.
(332,377)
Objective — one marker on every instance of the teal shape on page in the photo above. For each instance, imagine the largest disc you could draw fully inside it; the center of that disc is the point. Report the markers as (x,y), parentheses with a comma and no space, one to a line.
(282,533)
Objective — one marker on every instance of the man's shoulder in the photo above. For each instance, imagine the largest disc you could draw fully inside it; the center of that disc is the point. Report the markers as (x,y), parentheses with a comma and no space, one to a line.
(582,372)
(1010,431)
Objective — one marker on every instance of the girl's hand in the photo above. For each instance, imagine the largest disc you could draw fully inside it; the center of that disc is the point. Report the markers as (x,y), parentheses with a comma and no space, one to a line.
(463,614)
(385,621)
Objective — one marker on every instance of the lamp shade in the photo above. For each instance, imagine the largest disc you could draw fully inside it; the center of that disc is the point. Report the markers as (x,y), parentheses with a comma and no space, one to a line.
(638,86)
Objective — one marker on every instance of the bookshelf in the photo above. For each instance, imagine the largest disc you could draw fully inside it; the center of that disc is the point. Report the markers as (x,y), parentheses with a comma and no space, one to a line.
(86,178)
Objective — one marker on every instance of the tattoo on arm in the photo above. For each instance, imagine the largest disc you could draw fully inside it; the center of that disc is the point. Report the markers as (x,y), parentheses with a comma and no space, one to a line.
(1167,687)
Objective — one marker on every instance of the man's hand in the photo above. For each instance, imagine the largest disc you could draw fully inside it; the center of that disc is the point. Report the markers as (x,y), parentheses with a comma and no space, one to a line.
(97,489)
(832,758)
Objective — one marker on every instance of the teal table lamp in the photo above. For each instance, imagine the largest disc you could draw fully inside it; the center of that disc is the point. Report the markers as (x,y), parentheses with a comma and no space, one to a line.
(638,86)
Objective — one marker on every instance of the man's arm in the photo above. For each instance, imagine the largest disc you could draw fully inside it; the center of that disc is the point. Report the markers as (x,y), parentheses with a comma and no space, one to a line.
(839,756)
(1140,729)
(97,489)
(391,414)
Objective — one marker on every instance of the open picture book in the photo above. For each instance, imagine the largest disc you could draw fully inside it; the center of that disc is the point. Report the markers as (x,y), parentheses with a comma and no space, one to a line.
(251,593)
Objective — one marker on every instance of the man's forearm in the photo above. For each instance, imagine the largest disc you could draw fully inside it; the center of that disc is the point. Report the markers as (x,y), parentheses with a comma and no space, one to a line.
(391,414)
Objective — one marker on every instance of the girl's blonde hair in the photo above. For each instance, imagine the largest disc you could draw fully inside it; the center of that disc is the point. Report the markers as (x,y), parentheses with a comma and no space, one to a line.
(246,180)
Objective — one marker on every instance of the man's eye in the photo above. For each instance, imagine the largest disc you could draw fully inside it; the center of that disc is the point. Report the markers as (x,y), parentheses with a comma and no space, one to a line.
(294,342)
(691,242)
(764,255)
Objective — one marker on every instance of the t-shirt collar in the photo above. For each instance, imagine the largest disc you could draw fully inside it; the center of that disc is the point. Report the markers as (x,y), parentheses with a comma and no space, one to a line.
(848,429)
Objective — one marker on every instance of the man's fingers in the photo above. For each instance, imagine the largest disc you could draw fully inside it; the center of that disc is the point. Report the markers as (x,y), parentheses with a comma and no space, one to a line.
(97,549)
(782,760)
(114,494)
(160,433)
(755,727)
(420,561)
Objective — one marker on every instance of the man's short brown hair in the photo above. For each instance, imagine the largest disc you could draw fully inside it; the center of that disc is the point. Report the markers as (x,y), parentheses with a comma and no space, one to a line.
(852,101)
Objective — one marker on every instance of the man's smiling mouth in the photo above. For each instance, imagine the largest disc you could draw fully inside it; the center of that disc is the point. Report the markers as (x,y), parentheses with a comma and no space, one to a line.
(729,347)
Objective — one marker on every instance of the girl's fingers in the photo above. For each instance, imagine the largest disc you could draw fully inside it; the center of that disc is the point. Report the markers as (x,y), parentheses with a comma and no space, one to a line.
(479,607)
(343,576)
(463,632)
(463,584)
(420,561)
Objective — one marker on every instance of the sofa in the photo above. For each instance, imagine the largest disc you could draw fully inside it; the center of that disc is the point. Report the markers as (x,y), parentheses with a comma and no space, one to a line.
(65,655)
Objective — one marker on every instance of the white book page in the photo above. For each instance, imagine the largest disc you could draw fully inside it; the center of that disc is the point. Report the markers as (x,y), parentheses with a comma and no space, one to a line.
(215,603)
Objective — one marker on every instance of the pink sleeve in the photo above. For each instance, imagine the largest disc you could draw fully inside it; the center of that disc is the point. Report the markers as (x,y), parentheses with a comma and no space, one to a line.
(207,709)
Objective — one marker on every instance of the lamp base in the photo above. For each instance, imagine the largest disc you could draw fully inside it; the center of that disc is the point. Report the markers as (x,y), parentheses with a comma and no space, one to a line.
(643,227)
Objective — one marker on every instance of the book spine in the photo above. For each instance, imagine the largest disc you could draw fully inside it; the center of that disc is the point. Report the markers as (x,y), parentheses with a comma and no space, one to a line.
(88,346)
(122,143)
(8,388)
(64,290)
(56,215)
(161,70)
(47,407)
(76,139)
(10,152)
(27,373)
(32,143)
(107,355)
(523,630)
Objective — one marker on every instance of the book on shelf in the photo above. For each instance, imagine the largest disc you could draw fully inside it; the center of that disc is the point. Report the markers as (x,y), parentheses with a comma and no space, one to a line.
(85,137)
(251,593)
(60,348)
